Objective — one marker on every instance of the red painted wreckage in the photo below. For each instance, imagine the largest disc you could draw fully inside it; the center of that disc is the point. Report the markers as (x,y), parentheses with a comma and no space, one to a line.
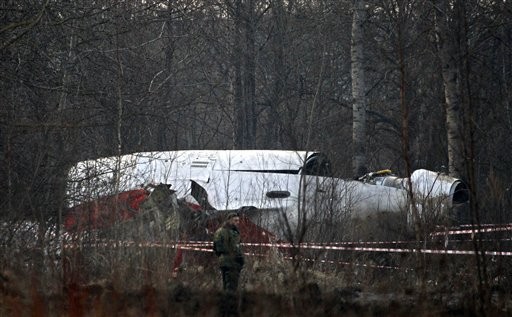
(107,211)
(121,209)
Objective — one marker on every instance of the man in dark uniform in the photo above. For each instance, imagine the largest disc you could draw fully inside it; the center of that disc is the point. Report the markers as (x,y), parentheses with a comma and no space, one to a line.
(226,244)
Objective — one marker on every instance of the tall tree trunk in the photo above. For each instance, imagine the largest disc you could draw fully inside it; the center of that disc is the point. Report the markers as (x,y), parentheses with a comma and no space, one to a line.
(250,74)
(273,135)
(454,55)
(448,54)
(505,55)
(244,63)
(359,107)
(238,93)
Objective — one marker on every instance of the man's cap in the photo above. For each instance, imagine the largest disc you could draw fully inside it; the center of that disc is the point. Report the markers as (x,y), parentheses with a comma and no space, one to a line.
(232,215)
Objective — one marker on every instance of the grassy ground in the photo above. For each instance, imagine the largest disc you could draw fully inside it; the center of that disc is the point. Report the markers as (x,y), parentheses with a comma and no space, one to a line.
(143,285)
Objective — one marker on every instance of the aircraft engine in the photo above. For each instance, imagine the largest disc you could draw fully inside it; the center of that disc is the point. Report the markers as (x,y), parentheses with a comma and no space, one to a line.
(428,184)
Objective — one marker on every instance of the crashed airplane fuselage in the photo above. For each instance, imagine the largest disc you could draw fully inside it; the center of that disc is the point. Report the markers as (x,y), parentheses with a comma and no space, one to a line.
(278,190)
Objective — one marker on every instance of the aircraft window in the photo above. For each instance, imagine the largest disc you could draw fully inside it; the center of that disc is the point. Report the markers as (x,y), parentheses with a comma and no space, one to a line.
(317,165)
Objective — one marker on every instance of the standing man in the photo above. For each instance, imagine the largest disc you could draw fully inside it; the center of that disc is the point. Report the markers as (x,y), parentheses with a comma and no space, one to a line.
(226,245)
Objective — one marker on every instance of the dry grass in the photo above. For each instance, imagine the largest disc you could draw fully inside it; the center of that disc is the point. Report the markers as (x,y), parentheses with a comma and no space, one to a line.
(139,282)
(106,279)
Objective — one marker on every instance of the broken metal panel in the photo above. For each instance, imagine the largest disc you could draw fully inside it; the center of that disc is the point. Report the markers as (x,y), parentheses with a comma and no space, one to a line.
(105,211)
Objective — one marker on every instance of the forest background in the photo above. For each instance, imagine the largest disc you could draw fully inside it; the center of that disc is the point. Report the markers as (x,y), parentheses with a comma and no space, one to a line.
(89,79)
(429,81)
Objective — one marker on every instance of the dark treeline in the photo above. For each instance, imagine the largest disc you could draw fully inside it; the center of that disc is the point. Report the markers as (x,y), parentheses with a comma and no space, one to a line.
(85,79)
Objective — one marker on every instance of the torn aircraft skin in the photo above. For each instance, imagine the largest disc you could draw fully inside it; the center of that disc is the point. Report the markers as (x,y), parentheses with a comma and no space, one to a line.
(278,191)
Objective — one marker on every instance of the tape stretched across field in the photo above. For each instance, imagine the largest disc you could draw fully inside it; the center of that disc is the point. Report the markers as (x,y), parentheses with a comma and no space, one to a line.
(205,246)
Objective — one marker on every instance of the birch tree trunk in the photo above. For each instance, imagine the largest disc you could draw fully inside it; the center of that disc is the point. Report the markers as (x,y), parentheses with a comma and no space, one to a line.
(448,54)
(359,106)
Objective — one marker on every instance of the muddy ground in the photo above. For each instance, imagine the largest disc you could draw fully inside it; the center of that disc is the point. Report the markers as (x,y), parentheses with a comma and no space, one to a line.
(180,300)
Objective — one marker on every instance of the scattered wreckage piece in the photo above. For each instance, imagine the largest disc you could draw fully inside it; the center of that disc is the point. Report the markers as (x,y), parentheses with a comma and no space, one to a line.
(159,211)
(152,218)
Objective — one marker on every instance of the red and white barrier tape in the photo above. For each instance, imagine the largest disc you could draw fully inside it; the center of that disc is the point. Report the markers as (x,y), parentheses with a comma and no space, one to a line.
(200,246)
(387,250)
(473,229)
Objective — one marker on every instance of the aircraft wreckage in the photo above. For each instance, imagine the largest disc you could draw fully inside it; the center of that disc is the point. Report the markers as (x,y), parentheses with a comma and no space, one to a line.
(276,191)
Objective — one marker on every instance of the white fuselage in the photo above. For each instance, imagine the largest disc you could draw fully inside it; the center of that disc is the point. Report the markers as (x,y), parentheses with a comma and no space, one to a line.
(274,185)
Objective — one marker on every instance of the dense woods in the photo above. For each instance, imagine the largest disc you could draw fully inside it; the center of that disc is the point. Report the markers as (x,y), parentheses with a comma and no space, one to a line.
(375,84)
(90,79)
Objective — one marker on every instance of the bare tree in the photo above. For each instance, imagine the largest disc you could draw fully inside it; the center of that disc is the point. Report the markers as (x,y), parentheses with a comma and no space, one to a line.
(245,19)
(358,89)
(449,55)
